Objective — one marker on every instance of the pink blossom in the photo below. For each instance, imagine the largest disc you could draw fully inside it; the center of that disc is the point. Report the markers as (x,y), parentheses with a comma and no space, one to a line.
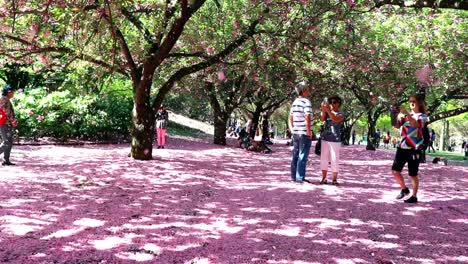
(236,24)
(423,74)
(40,118)
(210,50)
(221,76)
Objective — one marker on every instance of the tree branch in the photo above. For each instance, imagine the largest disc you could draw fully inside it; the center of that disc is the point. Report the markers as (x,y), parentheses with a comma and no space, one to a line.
(445,114)
(166,87)
(451,4)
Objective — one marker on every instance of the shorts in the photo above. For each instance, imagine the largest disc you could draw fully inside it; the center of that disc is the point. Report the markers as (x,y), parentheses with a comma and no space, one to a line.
(402,156)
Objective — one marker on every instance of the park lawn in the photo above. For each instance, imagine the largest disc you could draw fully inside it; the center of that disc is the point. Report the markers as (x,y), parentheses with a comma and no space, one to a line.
(447,154)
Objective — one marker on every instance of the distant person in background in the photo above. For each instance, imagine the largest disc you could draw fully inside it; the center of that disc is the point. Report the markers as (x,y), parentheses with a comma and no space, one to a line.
(387,139)
(463,146)
(300,124)
(331,137)
(410,147)
(8,123)
(377,138)
(466,152)
(271,130)
(353,136)
(431,141)
(162,120)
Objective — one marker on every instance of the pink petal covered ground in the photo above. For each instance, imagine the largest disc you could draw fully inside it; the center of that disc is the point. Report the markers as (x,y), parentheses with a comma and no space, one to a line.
(201,203)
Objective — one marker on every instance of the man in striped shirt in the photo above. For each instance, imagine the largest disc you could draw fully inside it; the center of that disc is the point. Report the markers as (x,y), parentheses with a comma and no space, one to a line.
(300,117)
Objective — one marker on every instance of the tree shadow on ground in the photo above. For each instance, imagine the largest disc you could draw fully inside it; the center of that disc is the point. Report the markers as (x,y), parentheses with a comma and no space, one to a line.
(201,203)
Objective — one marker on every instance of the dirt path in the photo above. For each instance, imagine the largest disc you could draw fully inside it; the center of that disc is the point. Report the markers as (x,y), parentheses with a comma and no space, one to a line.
(201,203)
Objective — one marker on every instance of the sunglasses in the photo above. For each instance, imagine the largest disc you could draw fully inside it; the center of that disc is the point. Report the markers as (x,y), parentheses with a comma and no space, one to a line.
(412,101)
(335,102)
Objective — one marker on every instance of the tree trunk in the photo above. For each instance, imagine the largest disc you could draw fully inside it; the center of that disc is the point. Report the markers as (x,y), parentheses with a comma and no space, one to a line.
(346,133)
(255,119)
(220,123)
(446,135)
(142,130)
(371,122)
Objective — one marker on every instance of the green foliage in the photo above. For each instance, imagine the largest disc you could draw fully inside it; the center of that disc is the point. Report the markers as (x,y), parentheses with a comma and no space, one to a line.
(181,130)
(65,115)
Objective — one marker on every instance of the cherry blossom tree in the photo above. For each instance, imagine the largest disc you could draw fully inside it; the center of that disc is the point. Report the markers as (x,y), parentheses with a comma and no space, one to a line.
(136,40)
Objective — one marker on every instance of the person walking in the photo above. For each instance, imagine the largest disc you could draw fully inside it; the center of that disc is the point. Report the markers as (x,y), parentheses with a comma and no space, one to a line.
(431,142)
(410,146)
(300,124)
(353,136)
(6,128)
(162,120)
(331,137)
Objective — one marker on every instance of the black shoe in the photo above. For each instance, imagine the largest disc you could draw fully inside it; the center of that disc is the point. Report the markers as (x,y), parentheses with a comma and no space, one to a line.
(403,193)
(159,147)
(7,163)
(412,199)
(162,147)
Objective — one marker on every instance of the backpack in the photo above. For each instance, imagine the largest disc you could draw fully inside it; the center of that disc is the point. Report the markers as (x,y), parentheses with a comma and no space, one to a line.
(3,117)
(426,136)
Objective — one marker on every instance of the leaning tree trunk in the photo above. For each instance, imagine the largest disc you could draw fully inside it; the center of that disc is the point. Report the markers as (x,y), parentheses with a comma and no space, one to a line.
(371,123)
(255,119)
(142,130)
(346,133)
(220,123)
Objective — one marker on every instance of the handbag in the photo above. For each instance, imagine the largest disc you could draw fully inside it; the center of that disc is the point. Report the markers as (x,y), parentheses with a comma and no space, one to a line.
(318,146)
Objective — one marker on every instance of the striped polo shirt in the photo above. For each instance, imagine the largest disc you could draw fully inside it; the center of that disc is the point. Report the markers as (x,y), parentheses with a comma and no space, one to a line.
(300,108)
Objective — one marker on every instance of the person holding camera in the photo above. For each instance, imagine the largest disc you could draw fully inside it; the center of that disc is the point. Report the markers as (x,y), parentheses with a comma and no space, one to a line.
(410,146)
(331,137)
(300,125)
(6,128)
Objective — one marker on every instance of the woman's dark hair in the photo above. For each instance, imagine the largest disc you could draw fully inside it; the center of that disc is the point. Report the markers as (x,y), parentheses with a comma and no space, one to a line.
(6,90)
(335,98)
(421,102)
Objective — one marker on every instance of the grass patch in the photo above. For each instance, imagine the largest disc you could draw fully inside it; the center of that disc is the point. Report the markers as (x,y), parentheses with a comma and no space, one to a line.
(447,154)
(181,130)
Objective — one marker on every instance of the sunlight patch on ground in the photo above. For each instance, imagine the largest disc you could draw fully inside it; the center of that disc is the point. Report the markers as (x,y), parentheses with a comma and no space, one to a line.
(16,202)
(387,197)
(135,256)
(185,247)
(461,221)
(377,244)
(284,261)
(289,231)
(110,242)
(325,223)
(259,210)
(458,259)
(20,225)
(198,261)
(64,233)
(89,222)
(349,261)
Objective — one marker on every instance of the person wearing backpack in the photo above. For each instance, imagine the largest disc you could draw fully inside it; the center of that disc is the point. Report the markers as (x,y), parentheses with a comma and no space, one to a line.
(410,146)
(6,128)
